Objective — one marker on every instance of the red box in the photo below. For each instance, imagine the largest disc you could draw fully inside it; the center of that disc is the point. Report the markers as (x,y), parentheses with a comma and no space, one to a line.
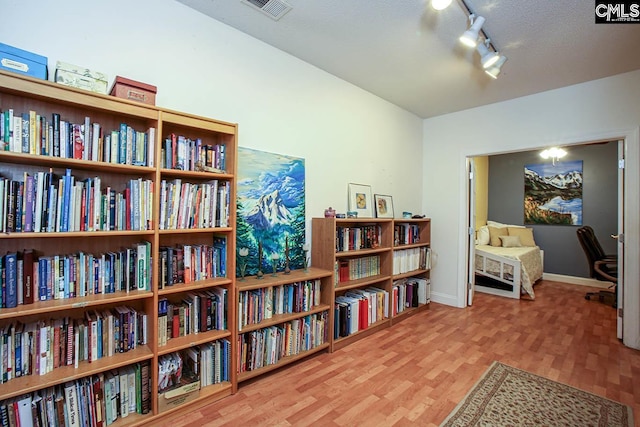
(133,90)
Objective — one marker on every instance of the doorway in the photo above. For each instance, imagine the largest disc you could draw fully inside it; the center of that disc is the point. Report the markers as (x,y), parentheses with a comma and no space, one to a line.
(496,192)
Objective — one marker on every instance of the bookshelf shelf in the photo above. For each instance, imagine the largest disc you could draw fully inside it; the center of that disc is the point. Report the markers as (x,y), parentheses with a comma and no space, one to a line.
(64,374)
(282,318)
(192,340)
(359,283)
(60,305)
(194,286)
(114,151)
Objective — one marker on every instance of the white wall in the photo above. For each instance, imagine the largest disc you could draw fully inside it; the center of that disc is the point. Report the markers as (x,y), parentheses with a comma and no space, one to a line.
(204,67)
(606,108)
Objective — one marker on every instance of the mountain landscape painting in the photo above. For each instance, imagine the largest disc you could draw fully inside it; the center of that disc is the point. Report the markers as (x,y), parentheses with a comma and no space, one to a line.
(553,193)
(270,209)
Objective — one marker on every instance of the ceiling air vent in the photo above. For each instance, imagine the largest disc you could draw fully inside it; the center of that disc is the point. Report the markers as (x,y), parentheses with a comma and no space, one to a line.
(275,9)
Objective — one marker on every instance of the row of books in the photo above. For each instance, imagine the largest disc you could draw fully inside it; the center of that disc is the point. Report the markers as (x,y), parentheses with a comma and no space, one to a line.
(39,347)
(406,234)
(356,268)
(267,346)
(186,205)
(209,362)
(26,277)
(191,263)
(195,312)
(95,401)
(407,260)
(355,238)
(257,305)
(48,202)
(357,309)
(410,292)
(180,152)
(32,133)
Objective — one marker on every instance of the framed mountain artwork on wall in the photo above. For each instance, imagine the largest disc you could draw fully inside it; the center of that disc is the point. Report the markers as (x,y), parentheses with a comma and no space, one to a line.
(553,193)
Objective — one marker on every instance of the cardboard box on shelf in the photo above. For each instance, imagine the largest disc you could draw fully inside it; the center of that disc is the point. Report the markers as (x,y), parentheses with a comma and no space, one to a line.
(133,90)
(23,62)
(82,78)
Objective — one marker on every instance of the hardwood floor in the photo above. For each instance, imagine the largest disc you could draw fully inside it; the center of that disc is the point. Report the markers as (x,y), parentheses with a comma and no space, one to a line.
(415,372)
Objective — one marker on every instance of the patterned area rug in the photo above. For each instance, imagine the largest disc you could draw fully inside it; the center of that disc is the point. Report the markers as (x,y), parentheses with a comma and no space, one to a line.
(506,396)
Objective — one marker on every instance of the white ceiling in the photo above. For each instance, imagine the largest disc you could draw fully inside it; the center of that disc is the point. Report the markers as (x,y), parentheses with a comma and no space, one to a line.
(409,54)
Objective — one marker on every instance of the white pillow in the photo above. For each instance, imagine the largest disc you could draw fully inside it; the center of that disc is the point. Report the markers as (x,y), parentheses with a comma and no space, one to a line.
(483,236)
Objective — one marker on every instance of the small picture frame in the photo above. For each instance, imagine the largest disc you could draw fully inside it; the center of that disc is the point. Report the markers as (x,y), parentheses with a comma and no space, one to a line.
(360,200)
(383,205)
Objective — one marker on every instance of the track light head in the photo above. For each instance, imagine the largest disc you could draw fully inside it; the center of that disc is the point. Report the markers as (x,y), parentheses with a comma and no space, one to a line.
(494,70)
(440,4)
(470,37)
(487,57)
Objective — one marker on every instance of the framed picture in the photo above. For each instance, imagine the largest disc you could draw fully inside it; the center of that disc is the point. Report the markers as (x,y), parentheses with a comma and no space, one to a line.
(384,206)
(360,200)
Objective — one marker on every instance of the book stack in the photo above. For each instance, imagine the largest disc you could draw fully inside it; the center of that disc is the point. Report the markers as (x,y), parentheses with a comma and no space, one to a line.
(260,304)
(32,133)
(406,234)
(195,312)
(356,238)
(39,347)
(186,205)
(410,292)
(180,152)
(267,346)
(49,202)
(357,268)
(191,263)
(98,400)
(26,277)
(411,259)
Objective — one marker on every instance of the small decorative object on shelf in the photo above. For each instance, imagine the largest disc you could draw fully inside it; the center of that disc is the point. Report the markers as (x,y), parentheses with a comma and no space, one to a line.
(274,261)
(406,214)
(287,270)
(329,212)
(259,274)
(305,260)
(242,262)
(352,214)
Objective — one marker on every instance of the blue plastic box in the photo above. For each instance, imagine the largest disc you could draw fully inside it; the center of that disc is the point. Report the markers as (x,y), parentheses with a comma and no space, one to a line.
(22,62)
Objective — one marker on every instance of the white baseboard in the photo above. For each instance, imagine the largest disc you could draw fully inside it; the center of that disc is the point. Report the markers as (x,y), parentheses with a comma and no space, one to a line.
(584,281)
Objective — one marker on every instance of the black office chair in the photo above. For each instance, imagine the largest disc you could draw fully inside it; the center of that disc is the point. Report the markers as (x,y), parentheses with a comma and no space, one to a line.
(601,266)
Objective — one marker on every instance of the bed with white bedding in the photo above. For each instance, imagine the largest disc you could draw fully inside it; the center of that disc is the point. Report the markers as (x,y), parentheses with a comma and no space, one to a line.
(518,268)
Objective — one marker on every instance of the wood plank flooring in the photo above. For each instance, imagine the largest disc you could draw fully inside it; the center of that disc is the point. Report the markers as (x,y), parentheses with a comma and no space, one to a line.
(415,372)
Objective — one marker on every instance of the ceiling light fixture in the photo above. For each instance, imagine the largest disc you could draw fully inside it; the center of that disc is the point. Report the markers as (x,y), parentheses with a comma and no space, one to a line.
(553,153)
(490,57)
(494,70)
(440,4)
(487,57)
(470,37)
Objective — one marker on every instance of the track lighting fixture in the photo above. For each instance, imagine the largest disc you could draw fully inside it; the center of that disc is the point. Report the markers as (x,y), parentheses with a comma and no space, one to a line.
(487,57)
(470,37)
(494,70)
(440,4)
(475,36)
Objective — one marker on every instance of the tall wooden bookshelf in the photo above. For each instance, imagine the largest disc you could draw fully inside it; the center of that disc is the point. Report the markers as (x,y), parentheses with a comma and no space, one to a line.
(137,229)
(359,252)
